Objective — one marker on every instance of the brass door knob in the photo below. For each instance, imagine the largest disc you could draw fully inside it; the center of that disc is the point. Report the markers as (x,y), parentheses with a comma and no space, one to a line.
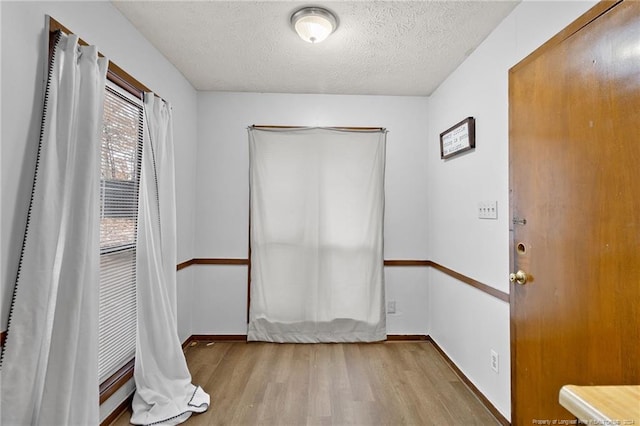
(519,277)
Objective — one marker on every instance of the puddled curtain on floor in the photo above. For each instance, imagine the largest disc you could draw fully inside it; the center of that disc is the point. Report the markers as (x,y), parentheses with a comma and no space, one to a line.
(317,204)
(164,393)
(50,362)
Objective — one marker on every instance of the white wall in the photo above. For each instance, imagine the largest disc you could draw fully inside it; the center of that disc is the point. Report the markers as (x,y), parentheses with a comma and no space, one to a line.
(22,50)
(466,323)
(223,195)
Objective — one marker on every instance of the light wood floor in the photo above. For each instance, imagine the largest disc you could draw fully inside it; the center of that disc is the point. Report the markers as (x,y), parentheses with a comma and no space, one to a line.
(396,383)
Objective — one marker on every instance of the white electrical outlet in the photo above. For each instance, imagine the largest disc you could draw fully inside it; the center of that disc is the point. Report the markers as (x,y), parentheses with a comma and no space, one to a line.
(495,361)
(488,209)
(391,307)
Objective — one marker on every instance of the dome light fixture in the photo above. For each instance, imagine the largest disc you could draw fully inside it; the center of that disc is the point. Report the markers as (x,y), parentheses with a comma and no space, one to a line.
(314,24)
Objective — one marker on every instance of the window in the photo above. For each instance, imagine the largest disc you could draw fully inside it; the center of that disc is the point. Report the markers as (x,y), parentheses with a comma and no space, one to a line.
(121,155)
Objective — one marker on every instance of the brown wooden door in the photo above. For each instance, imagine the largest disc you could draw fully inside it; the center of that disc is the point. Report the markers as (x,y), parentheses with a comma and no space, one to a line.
(575,179)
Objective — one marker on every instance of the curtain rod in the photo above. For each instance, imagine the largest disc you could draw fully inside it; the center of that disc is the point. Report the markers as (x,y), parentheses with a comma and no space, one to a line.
(356,129)
(115,74)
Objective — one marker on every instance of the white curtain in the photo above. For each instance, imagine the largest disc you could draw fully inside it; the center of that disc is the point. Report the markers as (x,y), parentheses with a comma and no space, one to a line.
(50,362)
(164,392)
(317,204)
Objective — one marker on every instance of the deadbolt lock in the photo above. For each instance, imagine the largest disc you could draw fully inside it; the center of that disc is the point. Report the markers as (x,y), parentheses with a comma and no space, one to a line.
(519,277)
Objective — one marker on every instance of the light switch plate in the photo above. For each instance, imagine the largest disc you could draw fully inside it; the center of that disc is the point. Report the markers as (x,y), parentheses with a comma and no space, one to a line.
(488,209)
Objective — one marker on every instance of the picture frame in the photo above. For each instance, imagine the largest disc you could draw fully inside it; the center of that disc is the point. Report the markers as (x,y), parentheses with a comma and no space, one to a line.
(458,138)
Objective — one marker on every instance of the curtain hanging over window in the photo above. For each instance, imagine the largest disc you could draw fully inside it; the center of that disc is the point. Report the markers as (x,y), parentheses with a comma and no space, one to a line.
(164,393)
(317,204)
(50,358)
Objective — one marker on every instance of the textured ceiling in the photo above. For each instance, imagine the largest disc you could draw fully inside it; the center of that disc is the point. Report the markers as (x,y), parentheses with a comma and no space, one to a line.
(380,47)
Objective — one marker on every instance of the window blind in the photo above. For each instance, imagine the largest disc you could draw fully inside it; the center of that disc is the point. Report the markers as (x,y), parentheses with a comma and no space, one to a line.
(121,155)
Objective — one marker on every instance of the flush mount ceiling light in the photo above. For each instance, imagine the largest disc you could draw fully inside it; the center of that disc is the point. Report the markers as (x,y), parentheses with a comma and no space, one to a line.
(314,24)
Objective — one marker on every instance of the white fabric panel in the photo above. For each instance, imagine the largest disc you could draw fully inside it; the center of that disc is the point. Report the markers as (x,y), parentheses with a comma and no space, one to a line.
(50,363)
(164,393)
(317,204)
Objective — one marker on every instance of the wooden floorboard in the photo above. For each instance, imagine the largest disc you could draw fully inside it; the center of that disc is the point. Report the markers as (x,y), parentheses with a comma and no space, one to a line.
(393,383)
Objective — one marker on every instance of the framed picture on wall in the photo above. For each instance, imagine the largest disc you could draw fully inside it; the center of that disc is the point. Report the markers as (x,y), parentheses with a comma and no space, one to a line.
(458,138)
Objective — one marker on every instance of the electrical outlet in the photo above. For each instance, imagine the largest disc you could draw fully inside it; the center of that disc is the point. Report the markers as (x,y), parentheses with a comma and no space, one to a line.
(495,361)
(391,307)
